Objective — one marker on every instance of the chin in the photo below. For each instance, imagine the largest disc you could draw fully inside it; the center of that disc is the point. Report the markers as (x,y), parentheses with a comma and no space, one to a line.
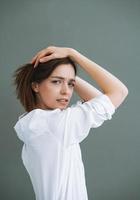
(62,107)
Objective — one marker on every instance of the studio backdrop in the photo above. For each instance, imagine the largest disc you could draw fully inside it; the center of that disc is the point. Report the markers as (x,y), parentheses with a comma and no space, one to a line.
(107,32)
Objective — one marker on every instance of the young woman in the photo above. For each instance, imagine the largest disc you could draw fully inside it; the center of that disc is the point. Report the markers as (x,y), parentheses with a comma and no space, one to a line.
(50,129)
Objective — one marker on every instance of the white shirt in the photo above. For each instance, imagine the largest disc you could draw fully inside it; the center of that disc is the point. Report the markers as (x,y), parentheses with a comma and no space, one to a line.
(51,152)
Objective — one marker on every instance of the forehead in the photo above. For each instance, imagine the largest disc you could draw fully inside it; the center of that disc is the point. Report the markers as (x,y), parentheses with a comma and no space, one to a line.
(65,70)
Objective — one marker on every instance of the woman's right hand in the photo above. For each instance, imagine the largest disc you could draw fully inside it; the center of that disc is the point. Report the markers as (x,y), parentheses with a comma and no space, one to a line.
(49,53)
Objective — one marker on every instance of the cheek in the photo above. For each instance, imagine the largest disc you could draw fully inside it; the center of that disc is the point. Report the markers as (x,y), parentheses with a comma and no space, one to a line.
(49,91)
(45,88)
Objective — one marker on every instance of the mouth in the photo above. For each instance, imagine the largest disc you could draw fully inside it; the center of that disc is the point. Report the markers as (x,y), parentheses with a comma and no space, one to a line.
(62,101)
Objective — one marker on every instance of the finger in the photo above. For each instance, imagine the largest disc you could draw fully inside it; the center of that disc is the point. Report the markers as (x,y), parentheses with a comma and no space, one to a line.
(33,59)
(36,58)
(36,63)
(46,58)
(37,55)
(42,53)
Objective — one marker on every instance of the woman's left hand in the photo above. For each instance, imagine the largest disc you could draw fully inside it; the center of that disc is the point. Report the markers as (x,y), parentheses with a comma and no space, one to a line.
(49,53)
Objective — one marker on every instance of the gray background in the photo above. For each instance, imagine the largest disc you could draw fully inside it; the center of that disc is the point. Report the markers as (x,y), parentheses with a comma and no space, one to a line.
(106,31)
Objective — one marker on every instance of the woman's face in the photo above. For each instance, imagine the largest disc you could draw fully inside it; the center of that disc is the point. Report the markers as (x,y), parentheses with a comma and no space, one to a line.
(56,91)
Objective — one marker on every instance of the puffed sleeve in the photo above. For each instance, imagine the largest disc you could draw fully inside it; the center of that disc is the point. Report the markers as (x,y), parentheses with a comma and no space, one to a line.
(68,126)
(75,123)
(35,124)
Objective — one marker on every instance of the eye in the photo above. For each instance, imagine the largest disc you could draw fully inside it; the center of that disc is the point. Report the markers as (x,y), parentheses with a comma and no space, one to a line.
(72,84)
(56,82)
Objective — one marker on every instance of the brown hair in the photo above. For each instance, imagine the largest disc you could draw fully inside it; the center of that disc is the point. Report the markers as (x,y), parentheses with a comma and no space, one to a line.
(26,74)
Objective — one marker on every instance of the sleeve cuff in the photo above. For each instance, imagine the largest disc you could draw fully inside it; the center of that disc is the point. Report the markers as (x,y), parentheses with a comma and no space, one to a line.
(105,101)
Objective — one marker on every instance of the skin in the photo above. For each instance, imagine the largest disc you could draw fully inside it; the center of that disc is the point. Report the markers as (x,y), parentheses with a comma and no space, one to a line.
(108,83)
(51,89)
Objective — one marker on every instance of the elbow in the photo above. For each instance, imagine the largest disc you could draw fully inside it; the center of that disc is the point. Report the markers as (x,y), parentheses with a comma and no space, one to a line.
(122,94)
(119,96)
(125,91)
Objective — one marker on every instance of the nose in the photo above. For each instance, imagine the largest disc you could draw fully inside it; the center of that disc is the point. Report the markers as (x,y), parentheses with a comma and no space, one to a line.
(65,89)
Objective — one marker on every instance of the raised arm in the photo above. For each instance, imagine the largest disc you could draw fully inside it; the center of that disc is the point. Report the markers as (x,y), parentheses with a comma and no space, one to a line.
(85,90)
(109,84)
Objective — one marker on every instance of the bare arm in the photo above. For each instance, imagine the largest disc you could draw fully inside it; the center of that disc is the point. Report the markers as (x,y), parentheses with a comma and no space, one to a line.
(109,84)
(85,90)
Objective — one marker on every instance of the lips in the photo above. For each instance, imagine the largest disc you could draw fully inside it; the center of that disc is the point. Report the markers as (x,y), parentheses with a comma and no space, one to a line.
(62,100)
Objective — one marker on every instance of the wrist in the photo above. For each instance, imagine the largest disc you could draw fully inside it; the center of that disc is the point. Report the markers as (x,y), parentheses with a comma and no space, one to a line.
(72,53)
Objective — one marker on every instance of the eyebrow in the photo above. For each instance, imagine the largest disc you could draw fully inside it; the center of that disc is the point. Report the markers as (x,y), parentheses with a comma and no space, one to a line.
(60,77)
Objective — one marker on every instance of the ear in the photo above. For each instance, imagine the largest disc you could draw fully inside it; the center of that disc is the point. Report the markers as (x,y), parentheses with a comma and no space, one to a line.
(34,86)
